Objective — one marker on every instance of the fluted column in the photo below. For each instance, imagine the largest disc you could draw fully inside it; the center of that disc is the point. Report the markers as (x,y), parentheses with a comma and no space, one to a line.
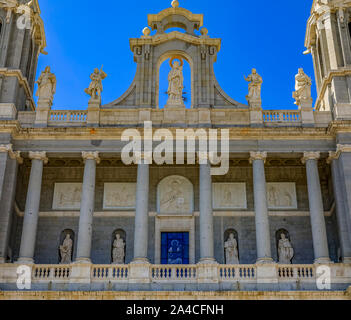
(206,215)
(31,213)
(8,187)
(141,214)
(87,208)
(341,209)
(319,231)
(263,238)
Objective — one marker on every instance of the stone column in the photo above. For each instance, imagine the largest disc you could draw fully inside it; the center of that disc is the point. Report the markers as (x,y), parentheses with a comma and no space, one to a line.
(206,215)
(319,232)
(141,214)
(263,238)
(31,213)
(87,208)
(340,203)
(7,199)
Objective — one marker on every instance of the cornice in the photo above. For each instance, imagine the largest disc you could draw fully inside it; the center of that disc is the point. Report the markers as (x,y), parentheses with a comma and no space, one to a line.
(174,35)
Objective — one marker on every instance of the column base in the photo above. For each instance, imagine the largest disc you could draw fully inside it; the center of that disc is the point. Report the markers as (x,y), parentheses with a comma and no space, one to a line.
(25,261)
(323,261)
(265,261)
(82,261)
(346,260)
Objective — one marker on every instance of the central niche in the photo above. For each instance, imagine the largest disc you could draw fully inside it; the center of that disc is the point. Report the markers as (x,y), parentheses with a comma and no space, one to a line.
(175,195)
(175,83)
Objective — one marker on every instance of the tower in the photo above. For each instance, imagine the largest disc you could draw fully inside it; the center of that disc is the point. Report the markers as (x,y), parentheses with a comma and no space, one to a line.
(22,39)
(328,39)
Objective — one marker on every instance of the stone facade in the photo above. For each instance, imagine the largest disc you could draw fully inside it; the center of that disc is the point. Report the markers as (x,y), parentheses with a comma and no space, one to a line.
(64,172)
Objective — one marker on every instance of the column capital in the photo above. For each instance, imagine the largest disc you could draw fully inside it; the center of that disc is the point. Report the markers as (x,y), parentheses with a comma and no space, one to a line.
(333,156)
(14,155)
(38,155)
(91,155)
(343,148)
(258,156)
(310,156)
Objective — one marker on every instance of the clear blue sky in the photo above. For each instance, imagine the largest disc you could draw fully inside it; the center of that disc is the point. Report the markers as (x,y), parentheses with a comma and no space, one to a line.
(84,34)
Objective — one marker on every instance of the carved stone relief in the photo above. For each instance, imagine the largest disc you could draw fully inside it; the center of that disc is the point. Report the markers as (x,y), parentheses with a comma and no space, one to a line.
(281,196)
(229,196)
(67,196)
(175,196)
(121,196)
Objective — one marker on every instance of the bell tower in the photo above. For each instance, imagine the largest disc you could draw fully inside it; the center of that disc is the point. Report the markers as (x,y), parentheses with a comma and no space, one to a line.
(328,39)
(22,39)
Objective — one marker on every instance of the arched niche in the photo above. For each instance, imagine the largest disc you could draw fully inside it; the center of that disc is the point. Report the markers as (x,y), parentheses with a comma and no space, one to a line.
(63,235)
(123,236)
(166,56)
(175,195)
(226,235)
(278,237)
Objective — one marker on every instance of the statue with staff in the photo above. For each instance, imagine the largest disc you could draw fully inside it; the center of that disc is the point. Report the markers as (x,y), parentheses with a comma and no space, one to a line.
(95,87)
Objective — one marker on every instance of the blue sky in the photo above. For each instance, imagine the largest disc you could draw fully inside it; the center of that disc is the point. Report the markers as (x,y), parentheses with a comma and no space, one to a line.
(266,35)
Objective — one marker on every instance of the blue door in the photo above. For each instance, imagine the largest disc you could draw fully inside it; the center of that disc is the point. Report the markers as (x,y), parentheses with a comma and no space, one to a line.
(175,248)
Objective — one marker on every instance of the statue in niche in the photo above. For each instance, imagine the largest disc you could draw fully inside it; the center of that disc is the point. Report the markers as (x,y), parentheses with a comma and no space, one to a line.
(66,250)
(231,250)
(95,87)
(46,86)
(118,251)
(285,250)
(173,199)
(303,85)
(176,85)
(254,96)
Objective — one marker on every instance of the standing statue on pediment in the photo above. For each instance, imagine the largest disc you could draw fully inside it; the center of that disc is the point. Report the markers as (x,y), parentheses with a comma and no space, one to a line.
(303,85)
(255,85)
(95,87)
(46,86)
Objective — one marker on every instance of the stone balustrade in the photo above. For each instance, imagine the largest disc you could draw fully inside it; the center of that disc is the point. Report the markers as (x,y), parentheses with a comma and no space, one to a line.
(281,116)
(178,274)
(67,117)
(51,272)
(132,117)
(110,273)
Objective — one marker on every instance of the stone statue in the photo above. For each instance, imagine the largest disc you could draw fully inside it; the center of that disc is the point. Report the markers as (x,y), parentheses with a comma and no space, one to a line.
(231,250)
(95,87)
(46,86)
(118,253)
(176,85)
(303,85)
(254,96)
(66,250)
(285,250)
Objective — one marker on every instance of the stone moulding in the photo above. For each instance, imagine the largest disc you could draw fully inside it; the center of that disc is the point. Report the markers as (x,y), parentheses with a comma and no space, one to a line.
(22,81)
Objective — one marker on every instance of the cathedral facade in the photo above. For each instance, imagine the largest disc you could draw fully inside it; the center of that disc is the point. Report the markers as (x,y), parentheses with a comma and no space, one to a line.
(136,196)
